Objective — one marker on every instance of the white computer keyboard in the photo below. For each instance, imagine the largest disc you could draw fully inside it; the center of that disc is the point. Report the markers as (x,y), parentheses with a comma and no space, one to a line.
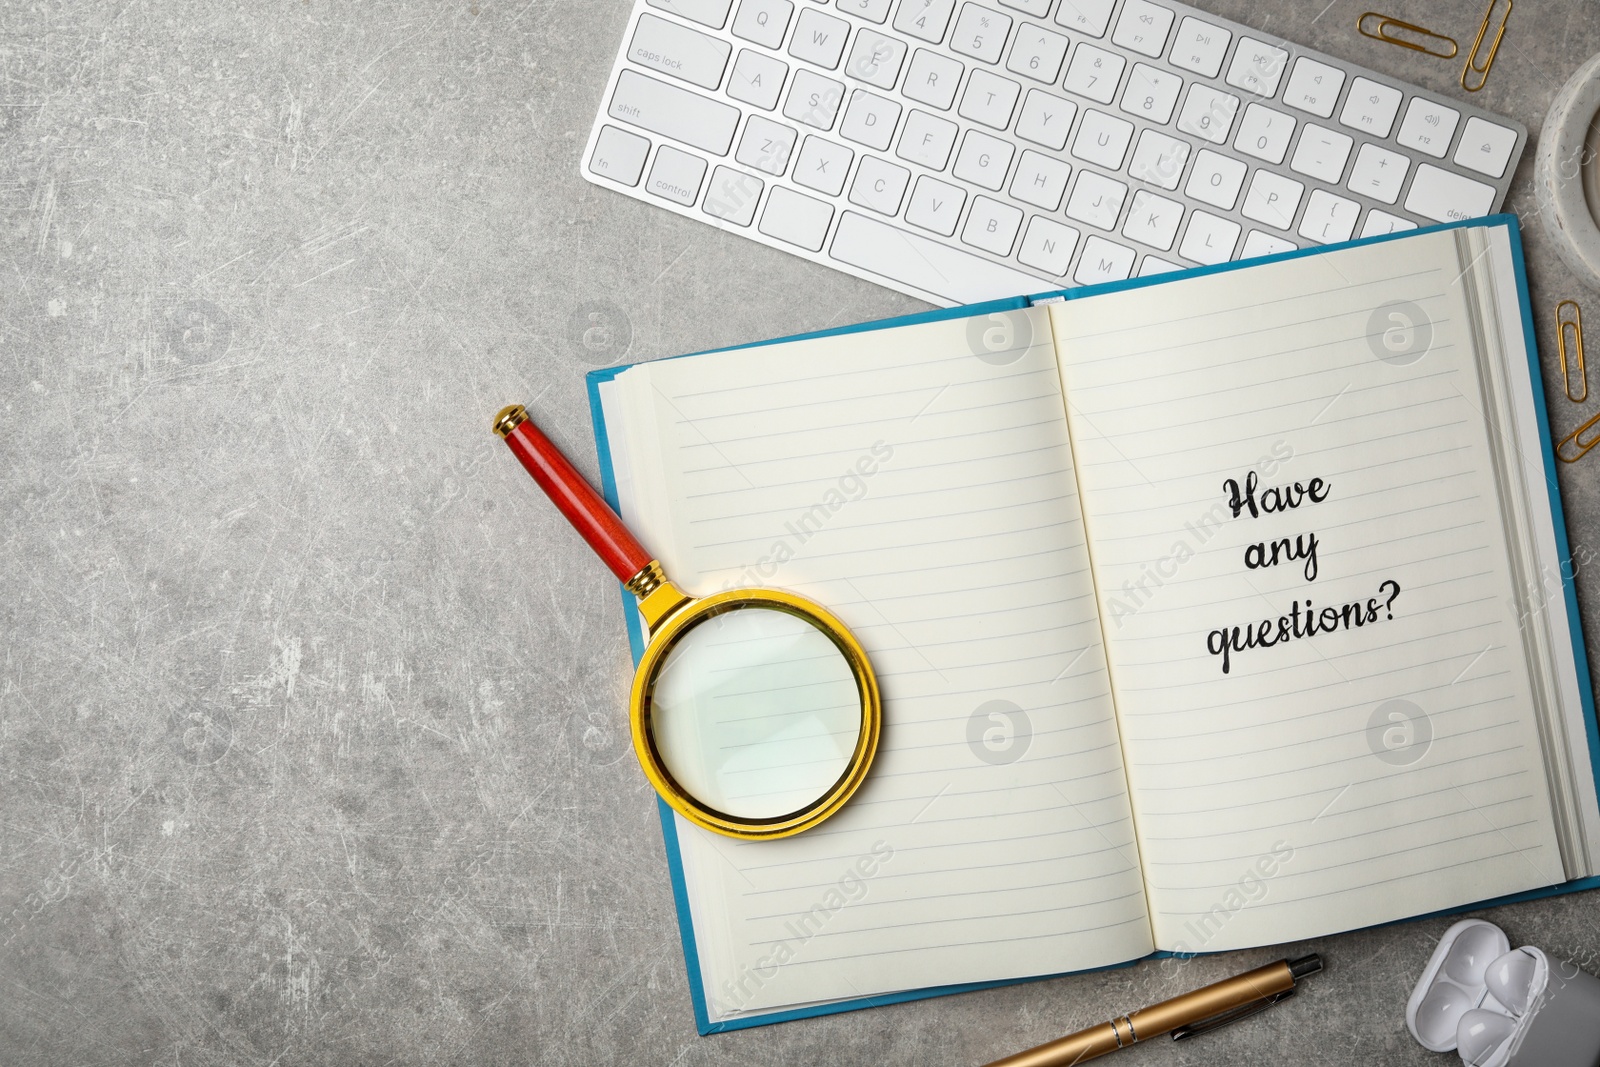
(962,151)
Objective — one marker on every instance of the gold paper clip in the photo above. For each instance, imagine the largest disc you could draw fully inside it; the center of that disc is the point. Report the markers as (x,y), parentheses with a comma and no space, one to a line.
(1572,324)
(1580,446)
(1385,23)
(1474,67)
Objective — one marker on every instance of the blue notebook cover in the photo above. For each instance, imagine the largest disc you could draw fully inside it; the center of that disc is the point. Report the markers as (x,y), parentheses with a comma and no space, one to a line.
(636,635)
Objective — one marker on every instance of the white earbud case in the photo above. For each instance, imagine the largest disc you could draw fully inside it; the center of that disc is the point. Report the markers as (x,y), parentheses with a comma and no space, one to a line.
(1503,1007)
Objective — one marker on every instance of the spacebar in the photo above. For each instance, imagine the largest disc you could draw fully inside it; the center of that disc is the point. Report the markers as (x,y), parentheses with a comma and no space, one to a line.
(935,268)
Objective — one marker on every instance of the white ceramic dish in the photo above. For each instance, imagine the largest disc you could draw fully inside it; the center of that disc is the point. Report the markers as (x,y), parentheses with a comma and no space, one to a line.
(1567,174)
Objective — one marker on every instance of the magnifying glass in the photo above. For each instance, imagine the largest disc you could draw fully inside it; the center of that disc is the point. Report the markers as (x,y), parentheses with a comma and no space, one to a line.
(754,712)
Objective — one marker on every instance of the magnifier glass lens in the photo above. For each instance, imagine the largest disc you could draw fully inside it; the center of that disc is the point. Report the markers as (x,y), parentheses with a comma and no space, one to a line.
(755,712)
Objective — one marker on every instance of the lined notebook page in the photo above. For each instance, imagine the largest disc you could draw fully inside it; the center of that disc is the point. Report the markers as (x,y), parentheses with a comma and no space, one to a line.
(926,496)
(1354,775)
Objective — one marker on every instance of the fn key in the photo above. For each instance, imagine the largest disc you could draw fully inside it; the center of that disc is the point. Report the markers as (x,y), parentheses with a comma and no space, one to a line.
(619,155)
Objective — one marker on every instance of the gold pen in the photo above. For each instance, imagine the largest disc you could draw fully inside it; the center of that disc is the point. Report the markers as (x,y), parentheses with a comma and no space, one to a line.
(1192,1013)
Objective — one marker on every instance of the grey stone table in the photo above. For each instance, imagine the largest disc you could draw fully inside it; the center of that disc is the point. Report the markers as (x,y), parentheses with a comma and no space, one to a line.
(310,745)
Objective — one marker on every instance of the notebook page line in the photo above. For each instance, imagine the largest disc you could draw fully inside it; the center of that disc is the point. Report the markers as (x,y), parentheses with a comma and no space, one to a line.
(1322,791)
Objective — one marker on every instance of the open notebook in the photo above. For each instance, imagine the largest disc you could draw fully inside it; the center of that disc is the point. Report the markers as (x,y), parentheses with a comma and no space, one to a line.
(1213,611)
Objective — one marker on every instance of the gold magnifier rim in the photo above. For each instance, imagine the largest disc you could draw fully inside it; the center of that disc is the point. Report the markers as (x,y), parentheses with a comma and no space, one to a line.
(694,611)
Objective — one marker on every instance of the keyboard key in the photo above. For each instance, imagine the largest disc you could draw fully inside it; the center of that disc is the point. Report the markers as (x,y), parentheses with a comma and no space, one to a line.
(1379,173)
(936,205)
(654,105)
(1086,16)
(1102,139)
(1329,218)
(676,175)
(1209,239)
(1156,265)
(1208,113)
(1321,153)
(1040,180)
(991,226)
(822,165)
(1097,200)
(927,139)
(711,13)
(1370,107)
(1153,220)
(619,155)
(813,99)
(923,263)
(1257,67)
(983,160)
(1264,133)
(869,120)
(1094,73)
(1159,159)
(1200,47)
(871,10)
(763,21)
(875,59)
(1215,179)
(732,196)
(1048,246)
(989,99)
(796,219)
(1037,54)
(757,79)
(1151,93)
(819,38)
(1036,8)
(926,20)
(1046,119)
(1428,127)
(980,33)
(1446,197)
(1485,147)
(1314,87)
(1272,199)
(1257,243)
(1381,222)
(766,145)
(879,185)
(679,52)
(1103,260)
(933,79)
(1143,28)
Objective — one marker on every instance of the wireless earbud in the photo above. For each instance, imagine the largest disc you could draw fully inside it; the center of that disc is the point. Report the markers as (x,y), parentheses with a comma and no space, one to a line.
(1482,1032)
(1511,978)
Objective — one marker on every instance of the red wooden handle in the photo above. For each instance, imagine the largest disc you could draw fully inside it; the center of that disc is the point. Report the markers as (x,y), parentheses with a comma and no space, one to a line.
(588,512)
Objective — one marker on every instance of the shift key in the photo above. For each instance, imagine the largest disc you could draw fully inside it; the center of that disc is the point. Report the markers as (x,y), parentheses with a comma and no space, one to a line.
(673,112)
(678,51)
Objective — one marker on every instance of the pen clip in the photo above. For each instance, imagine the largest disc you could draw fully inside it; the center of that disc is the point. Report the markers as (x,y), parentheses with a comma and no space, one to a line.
(1233,1015)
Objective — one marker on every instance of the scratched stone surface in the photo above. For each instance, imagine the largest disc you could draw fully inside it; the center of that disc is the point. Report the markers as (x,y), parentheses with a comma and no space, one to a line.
(311,748)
